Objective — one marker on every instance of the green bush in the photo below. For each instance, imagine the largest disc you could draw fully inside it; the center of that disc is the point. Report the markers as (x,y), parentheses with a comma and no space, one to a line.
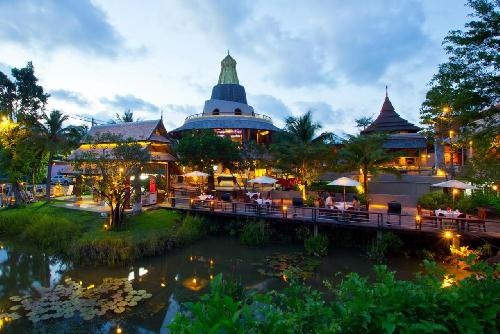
(191,229)
(110,251)
(255,234)
(52,234)
(435,200)
(317,245)
(359,305)
(470,203)
(302,232)
(390,243)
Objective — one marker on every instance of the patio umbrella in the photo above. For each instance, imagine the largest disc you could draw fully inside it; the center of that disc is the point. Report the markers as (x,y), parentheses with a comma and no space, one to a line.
(344,182)
(197,174)
(454,184)
(263,180)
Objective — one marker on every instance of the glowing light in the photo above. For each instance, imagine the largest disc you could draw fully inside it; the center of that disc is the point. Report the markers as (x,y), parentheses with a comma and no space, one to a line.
(451,133)
(163,285)
(455,191)
(120,170)
(446,109)
(143,271)
(194,281)
(428,155)
(448,235)
(285,208)
(285,278)
(91,286)
(212,262)
(118,330)
(131,276)
(191,258)
(494,187)
(441,172)
(418,218)
(80,282)
(211,277)
(105,226)
(447,281)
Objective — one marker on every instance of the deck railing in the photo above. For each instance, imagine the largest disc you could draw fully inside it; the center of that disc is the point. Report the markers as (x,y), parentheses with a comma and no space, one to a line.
(254,115)
(336,216)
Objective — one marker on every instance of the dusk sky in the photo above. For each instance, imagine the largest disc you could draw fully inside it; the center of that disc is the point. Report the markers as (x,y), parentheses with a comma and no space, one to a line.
(333,57)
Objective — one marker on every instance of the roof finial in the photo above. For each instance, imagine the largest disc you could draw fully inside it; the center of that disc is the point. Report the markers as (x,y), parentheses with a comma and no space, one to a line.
(386,95)
(161,114)
(228,52)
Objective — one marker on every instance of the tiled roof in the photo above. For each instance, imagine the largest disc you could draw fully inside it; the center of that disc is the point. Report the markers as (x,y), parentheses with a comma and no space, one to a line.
(389,121)
(138,131)
(405,140)
(155,156)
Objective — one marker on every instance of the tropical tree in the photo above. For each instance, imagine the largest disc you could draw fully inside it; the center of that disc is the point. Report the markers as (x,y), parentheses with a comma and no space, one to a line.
(115,160)
(363,122)
(300,149)
(465,92)
(366,154)
(203,149)
(127,117)
(55,139)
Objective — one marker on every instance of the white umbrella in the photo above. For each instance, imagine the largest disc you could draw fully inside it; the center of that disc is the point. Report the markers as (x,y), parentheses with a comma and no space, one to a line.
(263,180)
(197,174)
(454,184)
(344,182)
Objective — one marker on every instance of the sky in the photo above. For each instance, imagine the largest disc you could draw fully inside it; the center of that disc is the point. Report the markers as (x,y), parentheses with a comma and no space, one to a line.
(333,57)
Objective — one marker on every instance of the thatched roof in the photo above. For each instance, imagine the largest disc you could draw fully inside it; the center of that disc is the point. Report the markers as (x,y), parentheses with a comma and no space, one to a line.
(389,121)
(136,131)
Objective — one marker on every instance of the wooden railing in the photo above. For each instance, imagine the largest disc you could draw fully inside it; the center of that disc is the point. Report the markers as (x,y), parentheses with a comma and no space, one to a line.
(336,216)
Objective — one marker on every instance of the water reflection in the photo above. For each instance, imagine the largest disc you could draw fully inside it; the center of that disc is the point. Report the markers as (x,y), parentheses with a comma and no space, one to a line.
(179,276)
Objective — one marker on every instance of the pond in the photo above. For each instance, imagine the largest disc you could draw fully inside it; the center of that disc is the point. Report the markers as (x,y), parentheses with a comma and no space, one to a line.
(42,294)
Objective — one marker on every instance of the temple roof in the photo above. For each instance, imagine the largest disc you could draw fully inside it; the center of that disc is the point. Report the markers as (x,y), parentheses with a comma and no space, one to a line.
(389,121)
(137,131)
(227,122)
(228,73)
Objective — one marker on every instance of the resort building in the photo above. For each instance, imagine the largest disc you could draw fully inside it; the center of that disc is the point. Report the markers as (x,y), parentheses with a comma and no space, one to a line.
(152,136)
(228,113)
(403,137)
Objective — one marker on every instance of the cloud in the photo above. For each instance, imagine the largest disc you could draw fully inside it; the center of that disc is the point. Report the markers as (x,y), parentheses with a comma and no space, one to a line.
(70,96)
(270,106)
(129,101)
(6,69)
(331,119)
(355,40)
(52,24)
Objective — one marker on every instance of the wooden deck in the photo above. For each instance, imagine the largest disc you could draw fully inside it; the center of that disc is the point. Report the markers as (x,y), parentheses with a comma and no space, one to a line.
(352,219)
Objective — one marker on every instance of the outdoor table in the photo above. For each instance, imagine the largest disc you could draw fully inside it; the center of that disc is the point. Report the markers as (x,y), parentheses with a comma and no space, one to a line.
(261,201)
(447,214)
(342,205)
(205,197)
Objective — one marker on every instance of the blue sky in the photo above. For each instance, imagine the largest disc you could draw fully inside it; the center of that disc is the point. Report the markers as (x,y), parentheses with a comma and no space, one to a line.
(333,57)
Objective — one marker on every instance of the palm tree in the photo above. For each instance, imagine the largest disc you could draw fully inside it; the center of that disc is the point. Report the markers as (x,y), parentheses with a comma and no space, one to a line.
(366,154)
(301,148)
(54,136)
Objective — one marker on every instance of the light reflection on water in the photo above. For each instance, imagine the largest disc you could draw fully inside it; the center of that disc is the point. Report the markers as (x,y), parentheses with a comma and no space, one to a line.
(179,276)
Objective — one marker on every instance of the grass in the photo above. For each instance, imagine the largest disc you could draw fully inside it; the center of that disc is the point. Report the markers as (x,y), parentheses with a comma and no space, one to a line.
(81,236)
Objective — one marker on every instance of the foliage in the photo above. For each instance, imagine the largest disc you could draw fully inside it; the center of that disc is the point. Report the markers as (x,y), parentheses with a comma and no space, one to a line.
(191,229)
(360,305)
(435,200)
(311,200)
(81,237)
(366,154)
(302,232)
(127,117)
(115,160)
(466,87)
(200,150)
(300,151)
(390,243)
(316,245)
(55,138)
(363,122)
(255,234)
(478,199)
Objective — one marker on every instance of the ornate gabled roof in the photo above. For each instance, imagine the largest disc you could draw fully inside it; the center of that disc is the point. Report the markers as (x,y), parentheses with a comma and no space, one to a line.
(137,131)
(389,121)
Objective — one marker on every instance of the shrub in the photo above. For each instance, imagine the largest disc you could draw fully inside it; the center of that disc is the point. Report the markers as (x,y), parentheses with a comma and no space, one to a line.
(109,251)
(191,229)
(317,246)
(470,203)
(389,243)
(302,232)
(360,305)
(52,234)
(255,234)
(435,200)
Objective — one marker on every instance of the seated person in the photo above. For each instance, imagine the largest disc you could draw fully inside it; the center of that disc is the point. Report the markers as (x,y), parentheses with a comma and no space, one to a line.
(329,202)
(356,204)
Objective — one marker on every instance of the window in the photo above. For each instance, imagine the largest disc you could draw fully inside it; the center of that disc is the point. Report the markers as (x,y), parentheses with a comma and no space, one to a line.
(237,111)
(216,112)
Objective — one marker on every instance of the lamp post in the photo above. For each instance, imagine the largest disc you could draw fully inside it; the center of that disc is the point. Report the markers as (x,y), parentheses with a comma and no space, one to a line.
(451,155)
